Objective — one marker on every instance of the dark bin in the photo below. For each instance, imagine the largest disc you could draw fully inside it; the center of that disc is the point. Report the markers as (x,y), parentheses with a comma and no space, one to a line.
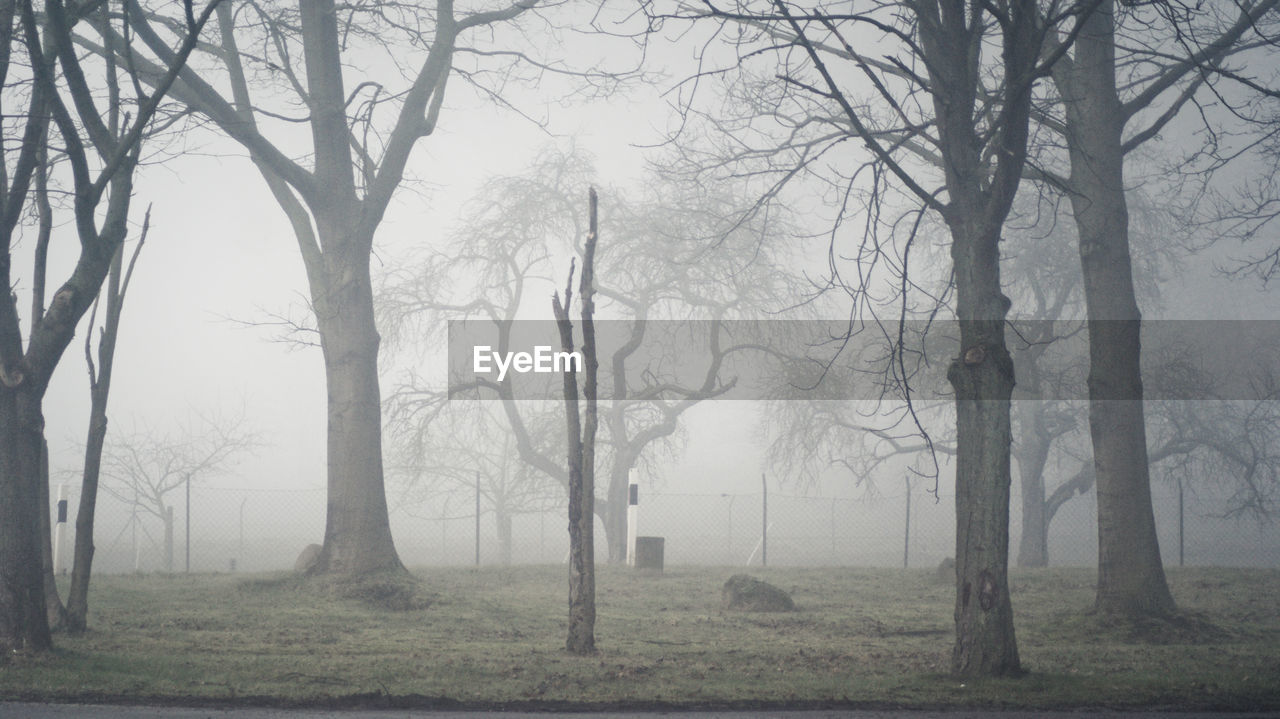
(649,553)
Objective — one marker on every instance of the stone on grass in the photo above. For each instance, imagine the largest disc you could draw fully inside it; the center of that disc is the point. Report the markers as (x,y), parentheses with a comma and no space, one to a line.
(748,594)
(946,571)
(307,559)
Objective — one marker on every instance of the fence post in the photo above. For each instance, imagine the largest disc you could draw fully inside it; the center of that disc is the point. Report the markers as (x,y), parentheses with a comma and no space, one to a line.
(730,530)
(764,521)
(168,539)
(906,533)
(633,518)
(133,533)
(1181,527)
(477,519)
(60,536)
(833,531)
(188,524)
(240,545)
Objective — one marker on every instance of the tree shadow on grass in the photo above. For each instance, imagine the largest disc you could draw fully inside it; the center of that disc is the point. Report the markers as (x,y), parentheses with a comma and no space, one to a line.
(1182,626)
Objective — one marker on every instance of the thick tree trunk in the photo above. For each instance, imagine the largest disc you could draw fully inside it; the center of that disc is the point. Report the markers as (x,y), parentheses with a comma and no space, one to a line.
(1130,573)
(24,624)
(979,198)
(357,536)
(1033,454)
(982,377)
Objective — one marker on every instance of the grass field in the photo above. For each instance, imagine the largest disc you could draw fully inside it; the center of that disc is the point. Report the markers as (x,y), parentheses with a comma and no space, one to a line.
(495,636)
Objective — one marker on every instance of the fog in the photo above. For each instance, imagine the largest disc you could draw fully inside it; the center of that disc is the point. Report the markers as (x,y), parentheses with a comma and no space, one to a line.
(220,266)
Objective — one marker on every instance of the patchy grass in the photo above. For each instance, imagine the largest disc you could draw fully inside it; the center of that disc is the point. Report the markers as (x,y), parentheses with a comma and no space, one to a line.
(495,637)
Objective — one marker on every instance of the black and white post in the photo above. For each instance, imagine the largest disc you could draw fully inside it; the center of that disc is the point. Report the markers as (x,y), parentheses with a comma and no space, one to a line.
(633,511)
(60,534)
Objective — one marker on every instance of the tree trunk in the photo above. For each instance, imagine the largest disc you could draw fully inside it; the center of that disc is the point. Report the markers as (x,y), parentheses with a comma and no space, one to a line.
(52,602)
(1130,573)
(1033,454)
(982,377)
(82,563)
(168,539)
(117,285)
(614,514)
(581,452)
(24,623)
(502,519)
(357,535)
(979,199)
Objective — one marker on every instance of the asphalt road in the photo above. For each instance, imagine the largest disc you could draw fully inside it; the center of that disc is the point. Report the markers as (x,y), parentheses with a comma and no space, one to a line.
(82,711)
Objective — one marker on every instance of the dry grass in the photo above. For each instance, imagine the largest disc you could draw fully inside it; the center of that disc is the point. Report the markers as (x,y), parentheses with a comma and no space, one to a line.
(495,636)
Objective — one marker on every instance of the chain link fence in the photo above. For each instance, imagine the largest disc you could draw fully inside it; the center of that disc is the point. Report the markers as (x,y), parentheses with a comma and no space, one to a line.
(250,530)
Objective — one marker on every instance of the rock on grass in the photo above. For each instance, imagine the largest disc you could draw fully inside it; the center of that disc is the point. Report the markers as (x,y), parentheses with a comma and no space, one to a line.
(744,593)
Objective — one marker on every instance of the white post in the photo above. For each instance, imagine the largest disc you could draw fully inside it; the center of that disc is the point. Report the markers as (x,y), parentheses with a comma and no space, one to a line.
(60,533)
(633,511)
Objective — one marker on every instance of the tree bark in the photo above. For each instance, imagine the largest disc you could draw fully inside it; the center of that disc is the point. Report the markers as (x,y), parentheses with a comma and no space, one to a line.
(24,624)
(82,563)
(581,453)
(982,377)
(357,537)
(53,603)
(1131,575)
(979,199)
(1033,455)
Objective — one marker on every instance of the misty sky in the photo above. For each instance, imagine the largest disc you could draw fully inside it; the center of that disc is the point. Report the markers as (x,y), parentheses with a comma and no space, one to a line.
(220,250)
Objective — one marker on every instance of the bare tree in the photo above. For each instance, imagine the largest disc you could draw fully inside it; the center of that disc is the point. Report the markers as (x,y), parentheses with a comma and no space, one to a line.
(582,446)
(675,256)
(463,449)
(145,467)
(114,292)
(1101,124)
(928,93)
(1231,447)
(278,66)
(101,140)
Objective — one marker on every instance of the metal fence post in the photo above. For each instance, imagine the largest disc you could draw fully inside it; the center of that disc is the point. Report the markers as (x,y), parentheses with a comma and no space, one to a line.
(906,533)
(729,538)
(633,518)
(60,533)
(833,530)
(764,522)
(477,519)
(1181,527)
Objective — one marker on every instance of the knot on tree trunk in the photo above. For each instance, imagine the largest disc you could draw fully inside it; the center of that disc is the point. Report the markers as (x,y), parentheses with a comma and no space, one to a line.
(972,375)
(988,593)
